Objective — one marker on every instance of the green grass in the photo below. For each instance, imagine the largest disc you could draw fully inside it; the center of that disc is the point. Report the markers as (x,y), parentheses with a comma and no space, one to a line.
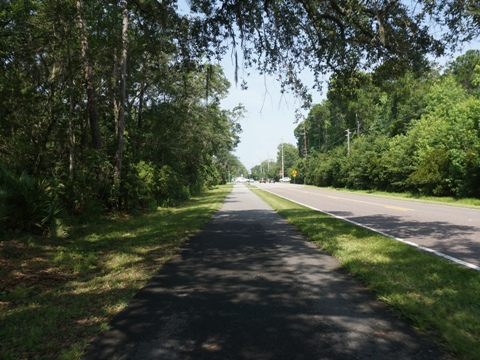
(56,295)
(437,297)
(445,200)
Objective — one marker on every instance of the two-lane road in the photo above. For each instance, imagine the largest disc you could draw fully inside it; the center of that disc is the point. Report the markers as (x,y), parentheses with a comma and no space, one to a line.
(448,230)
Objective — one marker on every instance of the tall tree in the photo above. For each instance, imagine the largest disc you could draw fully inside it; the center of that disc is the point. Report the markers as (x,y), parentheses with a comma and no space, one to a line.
(120,117)
(88,77)
(288,155)
(317,128)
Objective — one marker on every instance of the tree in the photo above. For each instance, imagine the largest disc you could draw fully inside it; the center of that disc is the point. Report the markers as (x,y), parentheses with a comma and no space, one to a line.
(317,128)
(72,108)
(460,17)
(88,77)
(283,37)
(120,116)
(465,69)
(447,146)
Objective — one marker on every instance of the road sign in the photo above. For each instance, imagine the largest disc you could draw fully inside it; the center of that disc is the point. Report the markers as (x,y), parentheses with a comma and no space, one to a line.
(294,173)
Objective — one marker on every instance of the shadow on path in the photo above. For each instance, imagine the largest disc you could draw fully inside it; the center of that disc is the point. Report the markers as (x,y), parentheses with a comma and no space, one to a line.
(249,287)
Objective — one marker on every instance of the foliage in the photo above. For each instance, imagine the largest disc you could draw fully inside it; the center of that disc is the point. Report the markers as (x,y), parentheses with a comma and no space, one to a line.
(29,204)
(285,37)
(268,169)
(461,17)
(418,134)
(448,143)
(61,97)
(465,69)
(287,155)
(147,186)
(228,166)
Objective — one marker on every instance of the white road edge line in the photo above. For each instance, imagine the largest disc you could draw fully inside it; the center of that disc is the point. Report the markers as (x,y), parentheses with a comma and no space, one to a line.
(431,251)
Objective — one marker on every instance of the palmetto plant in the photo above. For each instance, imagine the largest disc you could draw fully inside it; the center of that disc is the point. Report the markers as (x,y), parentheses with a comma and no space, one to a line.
(29,204)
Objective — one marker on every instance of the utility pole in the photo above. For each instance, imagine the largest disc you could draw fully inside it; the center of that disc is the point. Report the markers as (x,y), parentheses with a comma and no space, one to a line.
(283,174)
(306,152)
(348,141)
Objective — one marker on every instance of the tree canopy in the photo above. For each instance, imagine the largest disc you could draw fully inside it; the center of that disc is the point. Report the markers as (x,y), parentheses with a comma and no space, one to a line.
(112,103)
(283,37)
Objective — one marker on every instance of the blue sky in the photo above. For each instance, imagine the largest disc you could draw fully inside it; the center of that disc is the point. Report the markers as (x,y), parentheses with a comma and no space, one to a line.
(269,118)
(270,115)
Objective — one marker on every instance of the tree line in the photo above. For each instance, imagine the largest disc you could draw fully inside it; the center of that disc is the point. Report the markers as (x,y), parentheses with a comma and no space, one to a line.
(415,133)
(106,106)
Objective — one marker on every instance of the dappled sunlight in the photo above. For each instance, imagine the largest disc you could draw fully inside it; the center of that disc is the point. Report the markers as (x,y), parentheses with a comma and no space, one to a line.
(69,289)
(436,295)
(250,285)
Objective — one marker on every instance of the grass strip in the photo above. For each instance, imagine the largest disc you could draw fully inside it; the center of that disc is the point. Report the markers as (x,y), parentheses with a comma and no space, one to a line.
(437,297)
(56,295)
(444,200)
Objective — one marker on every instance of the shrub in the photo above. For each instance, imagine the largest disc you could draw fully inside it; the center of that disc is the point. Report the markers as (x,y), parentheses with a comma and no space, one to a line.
(29,204)
(171,187)
(145,185)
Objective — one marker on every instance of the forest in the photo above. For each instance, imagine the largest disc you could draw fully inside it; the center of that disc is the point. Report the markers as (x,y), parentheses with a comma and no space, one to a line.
(102,110)
(115,105)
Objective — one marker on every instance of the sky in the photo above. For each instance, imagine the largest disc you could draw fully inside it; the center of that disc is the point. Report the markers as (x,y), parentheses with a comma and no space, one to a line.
(269,117)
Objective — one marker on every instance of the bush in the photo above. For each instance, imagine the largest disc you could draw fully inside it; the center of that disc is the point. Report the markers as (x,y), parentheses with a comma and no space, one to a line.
(29,204)
(171,187)
(147,186)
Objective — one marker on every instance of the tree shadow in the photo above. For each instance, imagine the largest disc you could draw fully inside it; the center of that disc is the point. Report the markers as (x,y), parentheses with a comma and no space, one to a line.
(250,287)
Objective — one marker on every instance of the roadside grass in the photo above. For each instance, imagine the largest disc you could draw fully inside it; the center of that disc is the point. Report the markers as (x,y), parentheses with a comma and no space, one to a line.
(56,295)
(445,200)
(437,297)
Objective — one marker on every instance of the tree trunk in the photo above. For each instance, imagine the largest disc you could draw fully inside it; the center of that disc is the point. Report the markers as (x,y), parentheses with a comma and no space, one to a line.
(120,121)
(71,138)
(140,105)
(44,141)
(87,74)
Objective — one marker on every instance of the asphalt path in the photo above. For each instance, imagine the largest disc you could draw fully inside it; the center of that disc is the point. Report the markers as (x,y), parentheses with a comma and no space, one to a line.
(249,286)
(447,230)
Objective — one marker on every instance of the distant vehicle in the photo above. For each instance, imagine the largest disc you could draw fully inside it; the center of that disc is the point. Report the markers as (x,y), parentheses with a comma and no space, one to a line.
(271,180)
(285,179)
(241,180)
(263,181)
(251,181)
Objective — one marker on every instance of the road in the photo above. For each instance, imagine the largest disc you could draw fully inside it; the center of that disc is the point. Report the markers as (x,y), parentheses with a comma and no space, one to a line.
(250,287)
(448,230)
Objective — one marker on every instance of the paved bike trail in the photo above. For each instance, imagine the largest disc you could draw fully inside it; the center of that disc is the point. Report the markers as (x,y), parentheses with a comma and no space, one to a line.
(249,286)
